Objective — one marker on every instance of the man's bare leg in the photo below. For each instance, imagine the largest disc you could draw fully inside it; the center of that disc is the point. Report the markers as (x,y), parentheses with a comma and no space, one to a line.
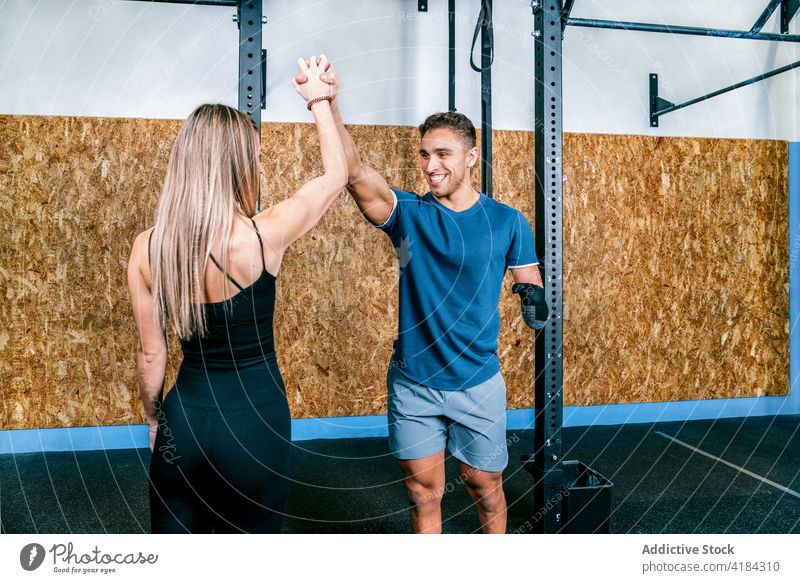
(425,486)
(486,490)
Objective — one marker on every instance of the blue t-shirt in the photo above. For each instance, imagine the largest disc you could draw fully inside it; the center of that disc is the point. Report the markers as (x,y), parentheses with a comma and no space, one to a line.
(451,271)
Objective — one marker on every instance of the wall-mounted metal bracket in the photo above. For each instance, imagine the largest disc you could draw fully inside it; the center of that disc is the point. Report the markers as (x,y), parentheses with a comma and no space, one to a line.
(657,104)
(263,78)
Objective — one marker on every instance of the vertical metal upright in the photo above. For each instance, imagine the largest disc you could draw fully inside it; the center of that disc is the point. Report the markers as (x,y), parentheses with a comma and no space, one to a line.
(252,64)
(549,246)
(251,59)
(487,43)
(788,10)
(451,59)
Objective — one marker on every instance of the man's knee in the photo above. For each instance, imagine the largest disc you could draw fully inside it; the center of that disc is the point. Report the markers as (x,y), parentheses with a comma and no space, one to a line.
(423,492)
(486,488)
(424,479)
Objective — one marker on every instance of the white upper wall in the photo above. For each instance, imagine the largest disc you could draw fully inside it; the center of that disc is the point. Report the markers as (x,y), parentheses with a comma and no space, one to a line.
(140,59)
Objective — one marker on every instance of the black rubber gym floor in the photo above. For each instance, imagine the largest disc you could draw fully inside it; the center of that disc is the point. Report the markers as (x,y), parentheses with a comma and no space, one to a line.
(724,476)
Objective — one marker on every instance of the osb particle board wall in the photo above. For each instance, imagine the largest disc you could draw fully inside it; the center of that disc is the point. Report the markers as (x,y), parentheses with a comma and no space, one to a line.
(676,269)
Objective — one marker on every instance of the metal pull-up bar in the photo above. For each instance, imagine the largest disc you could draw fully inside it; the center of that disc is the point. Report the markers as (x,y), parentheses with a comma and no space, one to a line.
(690,30)
(231,3)
(788,11)
(660,106)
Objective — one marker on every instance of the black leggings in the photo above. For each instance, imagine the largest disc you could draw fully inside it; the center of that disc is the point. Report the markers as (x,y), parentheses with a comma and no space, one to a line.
(217,468)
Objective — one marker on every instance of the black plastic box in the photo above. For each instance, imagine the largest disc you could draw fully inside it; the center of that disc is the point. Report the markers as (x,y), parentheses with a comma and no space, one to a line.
(586,506)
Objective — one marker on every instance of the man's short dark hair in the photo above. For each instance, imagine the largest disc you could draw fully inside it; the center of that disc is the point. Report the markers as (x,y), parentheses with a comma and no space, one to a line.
(458,122)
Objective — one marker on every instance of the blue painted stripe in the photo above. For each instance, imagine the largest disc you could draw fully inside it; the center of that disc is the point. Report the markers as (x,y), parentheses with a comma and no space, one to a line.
(73,438)
(680,411)
(339,427)
(135,436)
(129,436)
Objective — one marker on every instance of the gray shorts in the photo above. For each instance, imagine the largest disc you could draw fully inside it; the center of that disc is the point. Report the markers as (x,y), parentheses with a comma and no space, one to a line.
(470,423)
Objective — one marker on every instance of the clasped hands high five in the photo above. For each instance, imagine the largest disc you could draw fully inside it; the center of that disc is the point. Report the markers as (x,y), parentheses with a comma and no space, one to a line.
(315,79)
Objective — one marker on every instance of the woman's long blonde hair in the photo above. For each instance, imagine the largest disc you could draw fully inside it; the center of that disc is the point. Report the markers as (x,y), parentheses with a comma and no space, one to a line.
(212,173)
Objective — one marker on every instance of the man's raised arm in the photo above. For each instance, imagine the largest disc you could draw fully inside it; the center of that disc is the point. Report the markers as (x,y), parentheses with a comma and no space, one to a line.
(368,188)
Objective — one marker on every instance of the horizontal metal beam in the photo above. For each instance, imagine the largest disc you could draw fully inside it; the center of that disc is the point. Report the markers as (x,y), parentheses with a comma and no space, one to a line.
(690,30)
(231,3)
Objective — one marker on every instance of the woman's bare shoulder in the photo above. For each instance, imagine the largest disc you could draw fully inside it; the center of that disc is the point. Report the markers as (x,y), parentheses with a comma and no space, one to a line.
(264,218)
(139,252)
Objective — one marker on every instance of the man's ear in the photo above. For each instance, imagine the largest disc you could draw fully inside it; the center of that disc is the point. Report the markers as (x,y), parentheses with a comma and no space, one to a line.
(472,157)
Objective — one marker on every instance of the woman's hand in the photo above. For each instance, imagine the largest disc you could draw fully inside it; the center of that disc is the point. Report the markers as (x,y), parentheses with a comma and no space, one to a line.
(308,82)
(329,77)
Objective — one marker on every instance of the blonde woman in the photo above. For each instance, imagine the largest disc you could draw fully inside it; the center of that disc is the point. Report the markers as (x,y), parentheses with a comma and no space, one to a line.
(207,270)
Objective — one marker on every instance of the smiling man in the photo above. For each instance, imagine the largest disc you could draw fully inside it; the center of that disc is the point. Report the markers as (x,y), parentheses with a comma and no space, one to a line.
(444,381)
